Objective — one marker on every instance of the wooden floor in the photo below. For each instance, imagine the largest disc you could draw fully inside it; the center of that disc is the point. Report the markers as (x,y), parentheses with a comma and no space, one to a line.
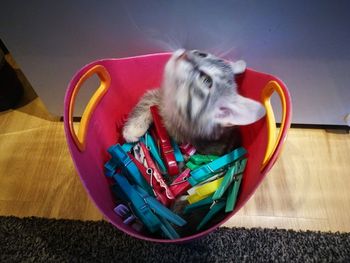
(307,189)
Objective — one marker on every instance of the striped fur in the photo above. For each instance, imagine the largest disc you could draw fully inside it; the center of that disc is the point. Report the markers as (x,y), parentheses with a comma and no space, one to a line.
(198,101)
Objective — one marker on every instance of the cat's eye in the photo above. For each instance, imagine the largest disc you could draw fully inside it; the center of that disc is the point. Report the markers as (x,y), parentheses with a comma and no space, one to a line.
(200,54)
(206,80)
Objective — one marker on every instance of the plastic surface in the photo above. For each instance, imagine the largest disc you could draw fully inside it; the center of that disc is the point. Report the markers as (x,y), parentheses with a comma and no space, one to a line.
(272,137)
(130,78)
(80,137)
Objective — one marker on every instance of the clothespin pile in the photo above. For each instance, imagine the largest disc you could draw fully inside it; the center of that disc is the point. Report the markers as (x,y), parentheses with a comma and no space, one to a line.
(150,175)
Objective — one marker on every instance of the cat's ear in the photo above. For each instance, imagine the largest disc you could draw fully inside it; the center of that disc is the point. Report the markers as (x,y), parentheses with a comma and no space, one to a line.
(239,66)
(241,111)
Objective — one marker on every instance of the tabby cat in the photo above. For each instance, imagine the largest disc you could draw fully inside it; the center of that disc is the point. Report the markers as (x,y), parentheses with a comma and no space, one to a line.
(199,103)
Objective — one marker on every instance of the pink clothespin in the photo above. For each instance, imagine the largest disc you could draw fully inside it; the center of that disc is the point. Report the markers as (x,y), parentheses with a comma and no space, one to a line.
(161,136)
(180,185)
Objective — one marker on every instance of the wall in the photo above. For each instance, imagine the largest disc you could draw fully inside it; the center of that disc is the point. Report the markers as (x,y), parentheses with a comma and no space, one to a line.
(305,43)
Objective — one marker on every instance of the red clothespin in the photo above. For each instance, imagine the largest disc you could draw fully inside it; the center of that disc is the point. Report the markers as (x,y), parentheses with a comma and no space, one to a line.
(187,149)
(180,185)
(161,136)
(146,173)
(161,189)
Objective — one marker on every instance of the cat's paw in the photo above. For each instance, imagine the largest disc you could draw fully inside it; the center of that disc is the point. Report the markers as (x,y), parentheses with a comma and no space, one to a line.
(132,133)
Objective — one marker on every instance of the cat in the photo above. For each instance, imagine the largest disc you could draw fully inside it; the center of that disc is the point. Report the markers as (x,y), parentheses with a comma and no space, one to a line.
(199,103)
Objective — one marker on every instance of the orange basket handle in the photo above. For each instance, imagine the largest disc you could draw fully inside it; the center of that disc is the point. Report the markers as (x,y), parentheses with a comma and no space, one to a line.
(273,139)
(80,137)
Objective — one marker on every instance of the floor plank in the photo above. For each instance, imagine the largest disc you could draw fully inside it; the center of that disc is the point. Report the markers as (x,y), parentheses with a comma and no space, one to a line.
(306,189)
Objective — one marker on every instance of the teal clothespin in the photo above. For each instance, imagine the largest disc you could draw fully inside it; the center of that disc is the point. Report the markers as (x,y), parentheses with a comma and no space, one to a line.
(124,190)
(168,230)
(233,190)
(202,159)
(215,206)
(204,172)
(128,166)
(165,215)
(148,140)
(153,214)
(128,146)
(202,203)
(178,155)
(160,209)
(110,167)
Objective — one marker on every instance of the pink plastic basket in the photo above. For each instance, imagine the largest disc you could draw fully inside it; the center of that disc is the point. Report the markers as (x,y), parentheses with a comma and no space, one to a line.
(123,81)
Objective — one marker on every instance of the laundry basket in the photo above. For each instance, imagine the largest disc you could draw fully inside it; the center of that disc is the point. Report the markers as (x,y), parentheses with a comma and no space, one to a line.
(123,82)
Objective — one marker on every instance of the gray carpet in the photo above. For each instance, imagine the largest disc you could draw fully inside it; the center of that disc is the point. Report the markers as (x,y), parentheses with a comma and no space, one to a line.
(49,240)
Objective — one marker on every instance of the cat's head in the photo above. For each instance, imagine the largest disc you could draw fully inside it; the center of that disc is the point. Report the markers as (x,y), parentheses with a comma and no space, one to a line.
(203,90)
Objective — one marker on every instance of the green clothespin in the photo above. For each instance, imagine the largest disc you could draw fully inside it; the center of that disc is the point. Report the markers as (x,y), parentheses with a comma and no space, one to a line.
(232,195)
(197,160)
(192,166)
(204,202)
(202,159)
(226,182)
(237,168)
(233,190)
(215,206)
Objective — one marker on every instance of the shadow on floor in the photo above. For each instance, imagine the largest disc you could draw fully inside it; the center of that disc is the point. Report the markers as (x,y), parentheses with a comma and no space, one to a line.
(18,94)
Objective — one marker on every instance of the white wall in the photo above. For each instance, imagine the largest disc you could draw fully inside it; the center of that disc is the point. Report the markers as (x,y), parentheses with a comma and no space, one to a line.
(305,43)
